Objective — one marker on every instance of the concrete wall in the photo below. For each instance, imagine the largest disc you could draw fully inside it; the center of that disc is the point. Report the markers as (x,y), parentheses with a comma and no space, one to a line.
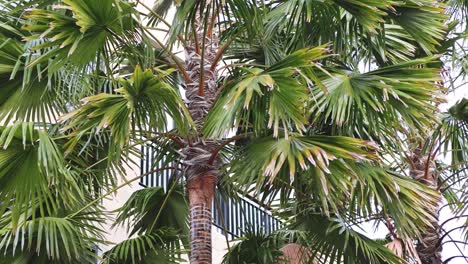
(112,202)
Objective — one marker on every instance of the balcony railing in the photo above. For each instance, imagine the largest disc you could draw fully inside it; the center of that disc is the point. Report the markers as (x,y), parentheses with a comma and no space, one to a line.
(231,217)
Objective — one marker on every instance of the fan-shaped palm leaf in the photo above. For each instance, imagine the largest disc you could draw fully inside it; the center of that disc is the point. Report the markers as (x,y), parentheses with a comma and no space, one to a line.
(160,219)
(71,240)
(452,133)
(30,164)
(384,97)
(77,30)
(332,240)
(280,91)
(153,248)
(266,158)
(424,21)
(376,191)
(142,103)
(26,94)
(152,208)
(254,247)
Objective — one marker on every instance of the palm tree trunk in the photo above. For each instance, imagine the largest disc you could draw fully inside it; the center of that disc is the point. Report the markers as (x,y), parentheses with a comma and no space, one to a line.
(429,247)
(202,172)
(201,191)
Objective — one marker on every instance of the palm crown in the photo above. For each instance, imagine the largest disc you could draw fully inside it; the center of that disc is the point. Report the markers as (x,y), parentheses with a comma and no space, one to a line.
(311,106)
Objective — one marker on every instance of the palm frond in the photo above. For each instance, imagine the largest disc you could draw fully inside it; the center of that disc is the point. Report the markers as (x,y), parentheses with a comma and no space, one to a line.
(332,240)
(452,133)
(392,45)
(265,159)
(32,171)
(369,14)
(159,219)
(424,21)
(184,17)
(160,9)
(254,248)
(152,208)
(376,191)
(77,31)
(152,248)
(141,104)
(274,97)
(384,97)
(327,240)
(70,240)
(26,94)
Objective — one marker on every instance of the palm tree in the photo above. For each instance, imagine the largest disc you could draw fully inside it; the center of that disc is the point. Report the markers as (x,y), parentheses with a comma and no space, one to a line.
(276,103)
(446,136)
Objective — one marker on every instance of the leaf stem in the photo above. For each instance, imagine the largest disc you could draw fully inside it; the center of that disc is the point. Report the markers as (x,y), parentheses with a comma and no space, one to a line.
(179,65)
(216,151)
(184,43)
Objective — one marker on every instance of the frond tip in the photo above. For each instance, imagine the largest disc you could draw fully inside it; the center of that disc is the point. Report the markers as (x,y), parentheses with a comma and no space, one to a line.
(268,155)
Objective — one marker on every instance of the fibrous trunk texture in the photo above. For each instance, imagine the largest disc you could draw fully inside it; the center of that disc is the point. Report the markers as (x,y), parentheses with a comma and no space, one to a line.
(201,169)
(201,191)
(202,88)
(429,247)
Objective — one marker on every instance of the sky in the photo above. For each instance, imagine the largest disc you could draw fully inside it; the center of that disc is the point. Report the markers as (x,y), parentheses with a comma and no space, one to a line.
(450,249)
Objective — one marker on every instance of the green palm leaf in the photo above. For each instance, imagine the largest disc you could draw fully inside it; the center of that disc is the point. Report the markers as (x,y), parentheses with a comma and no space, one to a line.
(384,97)
(266,158)
(369,13)
(159,219)
(254,247)
(32,171)
(152,208)
(26,94)
(377,191)
(392,45)
(92,27)
(332,240)
(71,240)
(151,248)
(451,136)
(275,97)
(142,103)
(424,21)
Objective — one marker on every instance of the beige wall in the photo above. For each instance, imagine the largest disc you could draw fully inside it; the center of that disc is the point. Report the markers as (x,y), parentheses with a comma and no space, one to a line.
(117,235)
(219,246)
